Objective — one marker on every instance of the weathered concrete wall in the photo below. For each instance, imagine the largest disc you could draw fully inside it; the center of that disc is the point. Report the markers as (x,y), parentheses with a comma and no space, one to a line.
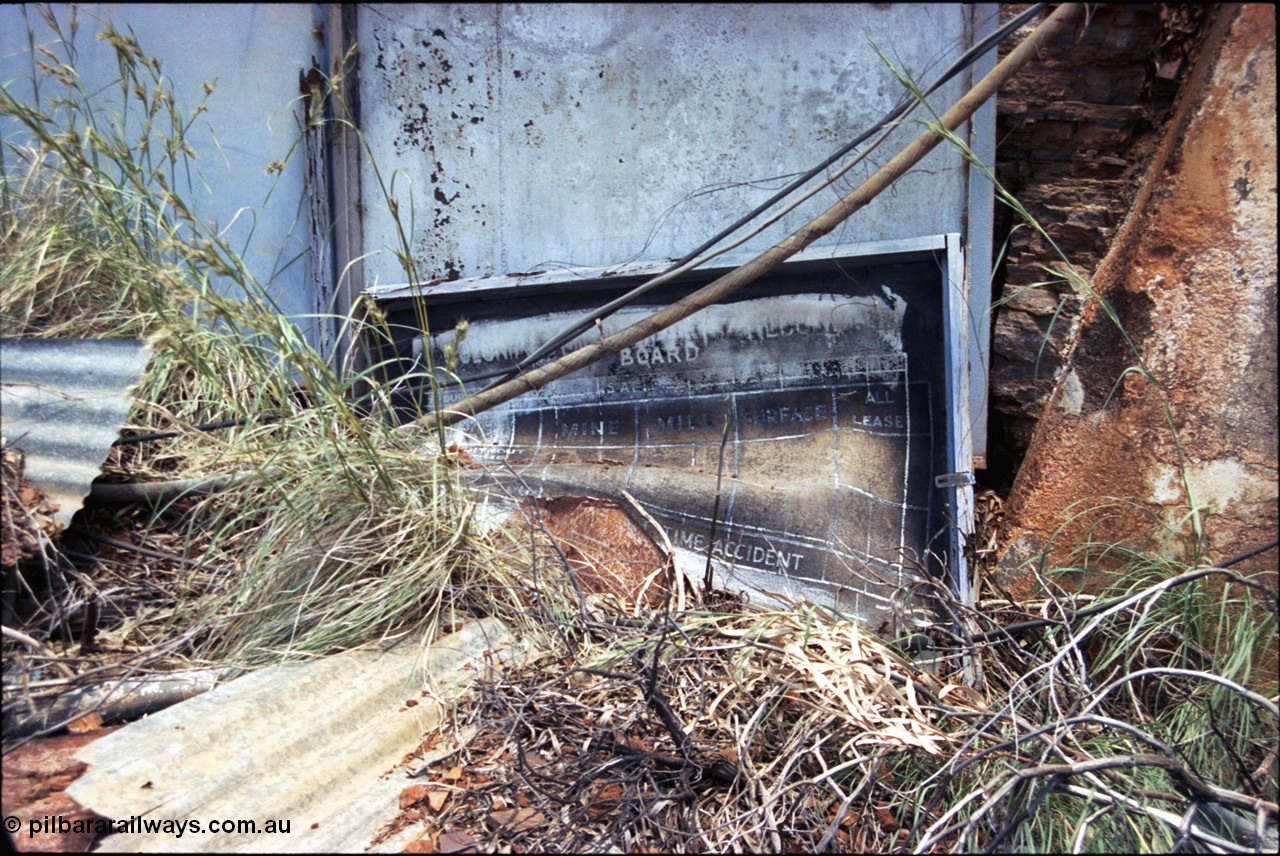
(1077,130)
(1192,278)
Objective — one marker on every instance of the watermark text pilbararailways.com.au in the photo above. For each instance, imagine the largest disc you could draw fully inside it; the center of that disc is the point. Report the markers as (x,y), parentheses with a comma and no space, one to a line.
(50,824)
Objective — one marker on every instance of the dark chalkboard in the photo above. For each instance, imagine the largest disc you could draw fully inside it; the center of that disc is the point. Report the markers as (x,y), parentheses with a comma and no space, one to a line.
(831,377)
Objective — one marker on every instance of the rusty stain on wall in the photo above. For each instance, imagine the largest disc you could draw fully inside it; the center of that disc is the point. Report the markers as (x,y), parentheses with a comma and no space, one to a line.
(607,551)
(1195,289)
(1077,129)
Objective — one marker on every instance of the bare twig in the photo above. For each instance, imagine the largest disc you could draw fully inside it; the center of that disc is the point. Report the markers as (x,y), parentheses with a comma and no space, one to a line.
(707,580)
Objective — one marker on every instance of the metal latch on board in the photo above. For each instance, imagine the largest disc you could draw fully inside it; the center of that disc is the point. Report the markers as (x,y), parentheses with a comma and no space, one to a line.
(954,480)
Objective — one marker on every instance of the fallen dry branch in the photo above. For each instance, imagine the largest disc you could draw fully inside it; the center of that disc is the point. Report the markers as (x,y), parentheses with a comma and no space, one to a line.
(755,731)
(723,728)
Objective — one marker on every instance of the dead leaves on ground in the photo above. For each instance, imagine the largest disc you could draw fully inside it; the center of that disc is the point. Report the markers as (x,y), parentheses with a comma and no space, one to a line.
(776,716)
(26,514)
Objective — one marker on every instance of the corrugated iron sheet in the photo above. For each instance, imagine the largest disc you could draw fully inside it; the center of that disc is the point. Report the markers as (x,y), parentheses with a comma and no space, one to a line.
(317,748)
(62,402)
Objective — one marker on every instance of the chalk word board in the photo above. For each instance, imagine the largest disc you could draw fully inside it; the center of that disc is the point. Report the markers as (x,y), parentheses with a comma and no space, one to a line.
(822,399)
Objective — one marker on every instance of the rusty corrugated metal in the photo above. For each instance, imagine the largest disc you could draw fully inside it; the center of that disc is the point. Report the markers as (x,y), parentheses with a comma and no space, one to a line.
(62,402)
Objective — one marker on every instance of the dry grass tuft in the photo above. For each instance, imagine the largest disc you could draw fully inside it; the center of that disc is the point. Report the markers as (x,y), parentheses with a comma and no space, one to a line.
(326,529)
(64,276)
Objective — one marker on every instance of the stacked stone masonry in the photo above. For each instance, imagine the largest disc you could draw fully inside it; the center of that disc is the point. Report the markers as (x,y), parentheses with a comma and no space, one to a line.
(1075,131)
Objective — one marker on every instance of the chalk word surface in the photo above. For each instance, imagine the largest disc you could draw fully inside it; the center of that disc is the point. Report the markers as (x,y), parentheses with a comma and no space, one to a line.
(827,430)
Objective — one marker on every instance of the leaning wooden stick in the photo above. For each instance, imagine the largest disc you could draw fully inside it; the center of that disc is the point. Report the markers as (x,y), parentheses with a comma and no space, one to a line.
(775,255)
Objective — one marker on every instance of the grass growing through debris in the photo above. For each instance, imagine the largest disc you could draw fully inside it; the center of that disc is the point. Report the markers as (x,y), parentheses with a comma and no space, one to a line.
(63,278)
(1145,720)
(1140,721)
(336,530)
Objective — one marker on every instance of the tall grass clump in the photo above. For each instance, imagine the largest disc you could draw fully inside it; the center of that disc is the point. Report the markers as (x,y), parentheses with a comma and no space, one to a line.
(63,276)
(328,528)
(1141,720)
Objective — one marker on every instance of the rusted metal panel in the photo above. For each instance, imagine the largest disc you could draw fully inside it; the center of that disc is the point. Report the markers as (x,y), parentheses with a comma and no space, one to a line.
(1191,279)
(62,402)
(833,385)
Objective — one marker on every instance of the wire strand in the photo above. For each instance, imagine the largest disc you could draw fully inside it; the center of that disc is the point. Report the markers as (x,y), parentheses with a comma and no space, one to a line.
(695,258)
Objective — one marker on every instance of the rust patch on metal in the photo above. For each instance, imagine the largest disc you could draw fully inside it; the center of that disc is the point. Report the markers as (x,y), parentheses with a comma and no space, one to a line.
(1194,286)
(607,551)
(36,776)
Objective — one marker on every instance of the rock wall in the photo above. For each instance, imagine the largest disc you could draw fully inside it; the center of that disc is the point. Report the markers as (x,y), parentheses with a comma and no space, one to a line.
(1185,460)
(1075,131)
